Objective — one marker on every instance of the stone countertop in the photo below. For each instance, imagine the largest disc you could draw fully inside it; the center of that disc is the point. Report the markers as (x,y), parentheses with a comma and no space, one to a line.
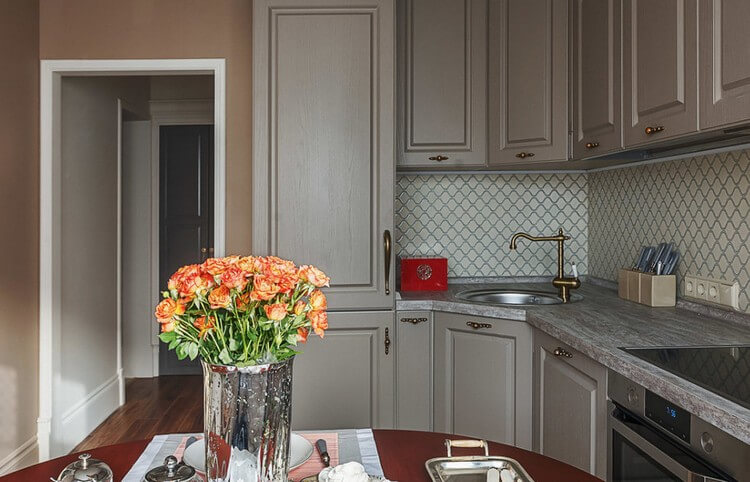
(601,324)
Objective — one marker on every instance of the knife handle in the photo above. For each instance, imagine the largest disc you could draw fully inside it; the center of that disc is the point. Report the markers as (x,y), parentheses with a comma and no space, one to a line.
(323,450)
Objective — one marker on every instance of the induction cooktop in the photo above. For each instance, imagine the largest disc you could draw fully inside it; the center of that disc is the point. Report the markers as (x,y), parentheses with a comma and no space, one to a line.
(724,370)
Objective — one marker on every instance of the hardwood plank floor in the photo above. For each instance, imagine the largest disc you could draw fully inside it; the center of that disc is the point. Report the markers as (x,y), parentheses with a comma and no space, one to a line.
(153,406)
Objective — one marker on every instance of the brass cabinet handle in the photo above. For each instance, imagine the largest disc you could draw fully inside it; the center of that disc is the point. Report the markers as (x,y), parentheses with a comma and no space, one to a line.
(476,326)
(413,321)
(387,341)
(524,155)
(591,145)
(387,249)
(439,158)
(559,351)
(653,129)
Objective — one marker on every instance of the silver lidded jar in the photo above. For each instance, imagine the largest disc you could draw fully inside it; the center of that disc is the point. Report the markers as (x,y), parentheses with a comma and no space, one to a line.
(247,421)
(172,471)
(87,469)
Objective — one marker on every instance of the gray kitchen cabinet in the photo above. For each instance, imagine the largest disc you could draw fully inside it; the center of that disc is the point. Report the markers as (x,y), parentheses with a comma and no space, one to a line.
(528,81)
(570,406)
(442,46)
(414,349)
(660,56)
(323,144)
(724,63)
(482,381)
(596,120)
(346,380)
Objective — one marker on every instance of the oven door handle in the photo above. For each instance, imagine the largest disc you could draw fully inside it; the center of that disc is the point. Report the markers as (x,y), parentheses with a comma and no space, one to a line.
(678,470)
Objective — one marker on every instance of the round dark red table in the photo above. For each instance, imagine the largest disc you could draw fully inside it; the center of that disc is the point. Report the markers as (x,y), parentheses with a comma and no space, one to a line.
(402,455)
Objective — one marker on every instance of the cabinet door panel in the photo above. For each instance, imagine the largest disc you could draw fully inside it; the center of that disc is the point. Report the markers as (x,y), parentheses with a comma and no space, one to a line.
(483,378)
(660,69)
(570,399)
(345,380)
(414,370)
(596,119)
(528,81)
(443,78)
(323,148)
(725,65)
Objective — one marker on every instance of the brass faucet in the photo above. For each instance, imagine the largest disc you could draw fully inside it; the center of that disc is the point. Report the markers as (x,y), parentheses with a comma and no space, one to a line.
(561,282)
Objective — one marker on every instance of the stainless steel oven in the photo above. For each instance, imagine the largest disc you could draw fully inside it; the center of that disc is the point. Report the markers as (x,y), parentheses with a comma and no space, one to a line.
(654,440)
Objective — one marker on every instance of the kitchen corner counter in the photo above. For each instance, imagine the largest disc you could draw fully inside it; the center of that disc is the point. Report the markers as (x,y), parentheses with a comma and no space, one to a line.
(601,324)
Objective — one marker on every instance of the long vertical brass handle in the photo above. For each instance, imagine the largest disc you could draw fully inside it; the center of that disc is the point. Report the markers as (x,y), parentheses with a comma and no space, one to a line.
(387,249)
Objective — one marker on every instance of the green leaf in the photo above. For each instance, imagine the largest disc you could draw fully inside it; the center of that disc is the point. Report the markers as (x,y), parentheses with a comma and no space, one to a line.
(292,339)
(192,350)
(233,345)
(173,344)
(168,336)
(181,355)
(225,357)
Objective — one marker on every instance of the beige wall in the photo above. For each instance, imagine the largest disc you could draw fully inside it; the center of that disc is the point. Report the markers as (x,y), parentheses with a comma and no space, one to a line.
(113,29)
(19,191)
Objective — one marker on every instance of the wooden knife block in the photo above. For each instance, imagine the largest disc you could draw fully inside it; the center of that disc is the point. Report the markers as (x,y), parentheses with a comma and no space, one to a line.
(647,289)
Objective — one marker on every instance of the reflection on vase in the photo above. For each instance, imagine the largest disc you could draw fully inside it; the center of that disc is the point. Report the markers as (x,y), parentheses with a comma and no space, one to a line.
(247,417)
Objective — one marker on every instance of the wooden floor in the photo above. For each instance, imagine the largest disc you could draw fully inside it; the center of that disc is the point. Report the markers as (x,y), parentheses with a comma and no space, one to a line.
(152,406)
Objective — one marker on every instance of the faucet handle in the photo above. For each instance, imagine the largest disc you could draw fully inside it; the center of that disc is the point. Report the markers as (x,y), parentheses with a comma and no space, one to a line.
(575,271)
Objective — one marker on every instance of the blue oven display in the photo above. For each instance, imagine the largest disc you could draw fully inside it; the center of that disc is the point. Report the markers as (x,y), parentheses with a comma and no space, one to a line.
(668,415)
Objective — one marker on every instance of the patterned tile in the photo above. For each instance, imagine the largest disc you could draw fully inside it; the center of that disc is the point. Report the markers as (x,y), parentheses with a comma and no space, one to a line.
(701,203)
(470,218)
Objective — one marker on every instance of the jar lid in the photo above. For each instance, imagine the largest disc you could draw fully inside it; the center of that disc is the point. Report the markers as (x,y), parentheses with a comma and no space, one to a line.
(86,469)
(171,471)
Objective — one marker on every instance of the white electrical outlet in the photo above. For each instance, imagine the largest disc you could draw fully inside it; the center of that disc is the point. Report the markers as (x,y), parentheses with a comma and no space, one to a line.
(716,291)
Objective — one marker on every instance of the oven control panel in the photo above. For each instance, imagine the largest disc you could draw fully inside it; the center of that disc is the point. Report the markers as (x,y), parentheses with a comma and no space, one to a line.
(668,415)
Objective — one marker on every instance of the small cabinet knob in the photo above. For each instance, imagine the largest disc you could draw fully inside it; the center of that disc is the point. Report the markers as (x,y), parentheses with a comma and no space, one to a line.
(439,158)
(559,351)
(524,155)
(592,145)
(653,130)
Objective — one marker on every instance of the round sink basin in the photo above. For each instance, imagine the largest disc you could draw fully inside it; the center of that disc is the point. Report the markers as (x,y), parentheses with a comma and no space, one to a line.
(513,297)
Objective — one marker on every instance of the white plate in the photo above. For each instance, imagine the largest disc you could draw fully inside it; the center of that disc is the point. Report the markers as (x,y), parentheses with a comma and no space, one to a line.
(300,449)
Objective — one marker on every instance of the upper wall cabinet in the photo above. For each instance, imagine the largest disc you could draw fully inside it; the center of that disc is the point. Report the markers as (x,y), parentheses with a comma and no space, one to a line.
(725,63)
(660,95)
(323,147)
(528,81)
(442,83)
(595,73)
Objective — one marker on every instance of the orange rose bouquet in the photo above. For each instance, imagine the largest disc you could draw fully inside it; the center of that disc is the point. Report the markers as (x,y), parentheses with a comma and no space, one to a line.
(242,311)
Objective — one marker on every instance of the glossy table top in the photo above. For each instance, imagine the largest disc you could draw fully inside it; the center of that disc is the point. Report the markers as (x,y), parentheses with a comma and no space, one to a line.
(402,455)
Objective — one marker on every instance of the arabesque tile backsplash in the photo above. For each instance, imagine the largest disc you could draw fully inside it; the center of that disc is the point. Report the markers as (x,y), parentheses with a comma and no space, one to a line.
(470,218)
(701,203)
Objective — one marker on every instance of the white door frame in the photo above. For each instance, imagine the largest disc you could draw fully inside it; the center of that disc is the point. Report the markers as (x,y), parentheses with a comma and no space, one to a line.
(51,73)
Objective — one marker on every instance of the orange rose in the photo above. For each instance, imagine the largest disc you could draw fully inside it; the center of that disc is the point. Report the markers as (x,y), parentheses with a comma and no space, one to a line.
(263,288)
(319,321)
(178,277)
(250,265)
(299,307)
(167,309)
(243,301)
(204,325)
(281,272)
(217,266)
(302,334)
(220,297)
(167,327)
(276,311)
(195,282)
(313,275)
(318,300)
(234,278)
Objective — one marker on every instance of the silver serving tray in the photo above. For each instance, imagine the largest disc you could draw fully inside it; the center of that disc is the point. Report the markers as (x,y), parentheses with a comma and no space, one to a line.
(474,468)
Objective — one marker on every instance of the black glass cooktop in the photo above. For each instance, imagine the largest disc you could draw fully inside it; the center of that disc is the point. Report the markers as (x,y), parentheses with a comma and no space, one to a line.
(724,370)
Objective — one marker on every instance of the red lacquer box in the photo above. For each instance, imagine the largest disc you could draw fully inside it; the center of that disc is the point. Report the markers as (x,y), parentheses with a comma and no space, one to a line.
(425,273)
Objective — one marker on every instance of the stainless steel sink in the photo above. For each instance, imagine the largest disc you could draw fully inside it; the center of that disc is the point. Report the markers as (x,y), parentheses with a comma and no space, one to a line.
(512,297)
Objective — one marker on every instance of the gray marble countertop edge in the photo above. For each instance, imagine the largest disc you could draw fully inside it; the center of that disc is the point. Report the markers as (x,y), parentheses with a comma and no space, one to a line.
(719,411)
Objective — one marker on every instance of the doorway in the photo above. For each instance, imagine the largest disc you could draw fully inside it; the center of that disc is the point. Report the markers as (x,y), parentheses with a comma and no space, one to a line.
(70,406)
(185,213)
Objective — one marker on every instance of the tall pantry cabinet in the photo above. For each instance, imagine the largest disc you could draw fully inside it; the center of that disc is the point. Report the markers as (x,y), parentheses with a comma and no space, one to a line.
(322,187)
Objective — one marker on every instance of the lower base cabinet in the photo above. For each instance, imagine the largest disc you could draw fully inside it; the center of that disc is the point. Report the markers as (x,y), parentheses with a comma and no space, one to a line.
(482,378)
(346,380)
(570,406)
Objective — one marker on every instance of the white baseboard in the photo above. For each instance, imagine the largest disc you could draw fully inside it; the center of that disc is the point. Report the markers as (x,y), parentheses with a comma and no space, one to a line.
(83,417)
(23,456)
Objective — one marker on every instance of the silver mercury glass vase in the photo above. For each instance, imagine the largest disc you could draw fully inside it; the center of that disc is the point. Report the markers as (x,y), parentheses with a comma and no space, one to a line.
(247,420)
